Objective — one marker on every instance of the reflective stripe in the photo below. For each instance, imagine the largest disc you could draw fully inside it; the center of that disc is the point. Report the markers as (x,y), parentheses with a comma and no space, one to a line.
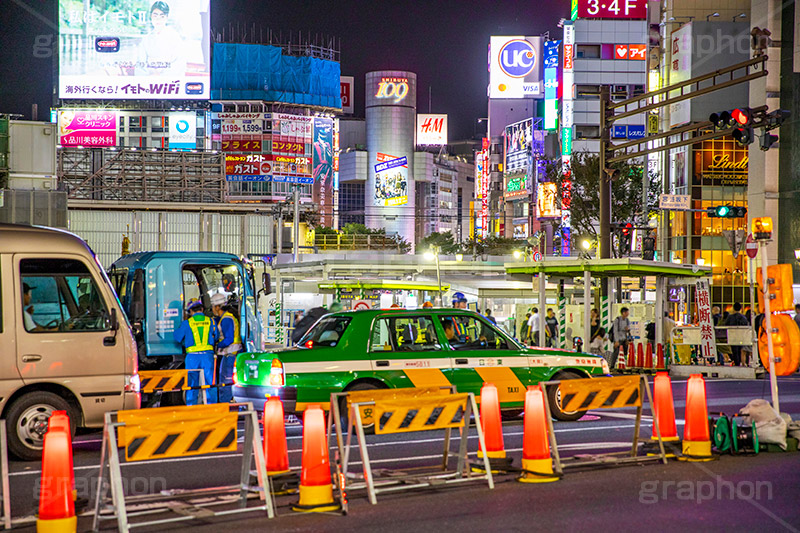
(509,386)
(200,330)
(237,337)
(427,377)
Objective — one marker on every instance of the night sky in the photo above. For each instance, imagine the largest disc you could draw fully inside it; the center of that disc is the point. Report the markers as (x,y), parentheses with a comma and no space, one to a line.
(444,42)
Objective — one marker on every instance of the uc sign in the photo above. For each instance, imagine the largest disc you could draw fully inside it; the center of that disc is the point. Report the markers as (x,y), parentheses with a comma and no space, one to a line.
(517,58)
(396,88)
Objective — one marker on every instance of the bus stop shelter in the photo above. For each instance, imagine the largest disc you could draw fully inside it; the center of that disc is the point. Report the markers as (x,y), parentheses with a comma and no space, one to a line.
(607,268)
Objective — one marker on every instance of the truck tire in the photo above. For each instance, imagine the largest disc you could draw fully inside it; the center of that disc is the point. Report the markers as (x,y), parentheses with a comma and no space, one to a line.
(554,398)
(27,423)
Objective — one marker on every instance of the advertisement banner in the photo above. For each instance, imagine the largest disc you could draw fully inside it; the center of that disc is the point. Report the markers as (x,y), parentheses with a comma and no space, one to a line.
(322,168)
(391,180)
(518,146)
(242,126)
(612,9)
(547,204)
(515,67)
(681,70)
(551,84)
(708,341)
(347,90)
(183,131)
(134,50)
(87,128)
(248,167)
(241,146)
(432,130)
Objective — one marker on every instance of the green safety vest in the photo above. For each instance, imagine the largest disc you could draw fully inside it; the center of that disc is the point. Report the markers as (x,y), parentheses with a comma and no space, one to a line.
(237,336)
(200,329)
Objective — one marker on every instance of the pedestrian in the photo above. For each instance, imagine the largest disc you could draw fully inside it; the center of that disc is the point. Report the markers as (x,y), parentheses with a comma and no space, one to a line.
(650,333)
(551,328)
(490,318)
(198,336)
(598,344)
(310,318)
(459,300)
(533,327)
(736,319)
(523,330)
(715,315)
(594,322)
(620,334)
(797,314)
(228,345)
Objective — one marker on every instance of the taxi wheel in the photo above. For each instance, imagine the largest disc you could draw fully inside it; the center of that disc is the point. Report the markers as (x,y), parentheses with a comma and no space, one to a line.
(369,429)
(554,398)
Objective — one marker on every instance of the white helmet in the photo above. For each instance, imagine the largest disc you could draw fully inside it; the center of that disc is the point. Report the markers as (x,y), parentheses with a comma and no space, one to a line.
(219,299)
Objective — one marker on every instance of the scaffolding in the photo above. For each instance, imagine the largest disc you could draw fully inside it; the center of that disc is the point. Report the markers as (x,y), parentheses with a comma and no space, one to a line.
(142,176)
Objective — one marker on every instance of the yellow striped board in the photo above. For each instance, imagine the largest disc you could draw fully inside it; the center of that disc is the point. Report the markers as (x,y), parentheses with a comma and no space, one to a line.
(427,377)
(163,432)
(422,413)
(163,380)
(372,395)
(509,386)
(600,393)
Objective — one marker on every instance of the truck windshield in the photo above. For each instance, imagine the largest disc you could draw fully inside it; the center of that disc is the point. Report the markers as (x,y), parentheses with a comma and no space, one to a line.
(326,332)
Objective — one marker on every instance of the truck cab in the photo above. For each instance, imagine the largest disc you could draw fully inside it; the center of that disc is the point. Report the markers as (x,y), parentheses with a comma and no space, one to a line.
(153,288)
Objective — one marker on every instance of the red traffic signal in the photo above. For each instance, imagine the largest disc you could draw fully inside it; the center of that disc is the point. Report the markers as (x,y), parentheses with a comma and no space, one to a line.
(742,116)
(626,229)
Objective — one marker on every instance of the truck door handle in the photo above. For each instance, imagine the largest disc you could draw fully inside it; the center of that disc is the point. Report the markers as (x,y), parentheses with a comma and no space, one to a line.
(462,361)
(381,363)
(110,341)
(31,358)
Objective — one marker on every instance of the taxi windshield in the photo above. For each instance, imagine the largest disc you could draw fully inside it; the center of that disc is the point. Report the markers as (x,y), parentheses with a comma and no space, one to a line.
(326,332)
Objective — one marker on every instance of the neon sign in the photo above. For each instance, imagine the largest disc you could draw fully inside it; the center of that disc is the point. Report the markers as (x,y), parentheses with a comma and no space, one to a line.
(396,88)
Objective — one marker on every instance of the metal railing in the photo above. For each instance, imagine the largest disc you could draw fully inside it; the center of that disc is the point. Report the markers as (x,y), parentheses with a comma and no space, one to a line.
(354,242)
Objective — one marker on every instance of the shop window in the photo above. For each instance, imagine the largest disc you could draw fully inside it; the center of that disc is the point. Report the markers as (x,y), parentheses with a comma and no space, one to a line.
(588,51)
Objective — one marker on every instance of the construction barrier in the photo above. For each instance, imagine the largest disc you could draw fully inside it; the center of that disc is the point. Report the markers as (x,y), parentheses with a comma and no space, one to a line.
(402,411)
(6,494)
(157,382)
(604,393)
(168,432)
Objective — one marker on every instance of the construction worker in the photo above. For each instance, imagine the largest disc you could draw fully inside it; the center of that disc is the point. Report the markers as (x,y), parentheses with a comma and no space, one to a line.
(228,345)
(198,335)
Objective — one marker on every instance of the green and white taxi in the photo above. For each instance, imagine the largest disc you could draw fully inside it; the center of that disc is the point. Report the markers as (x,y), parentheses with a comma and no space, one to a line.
(398,348)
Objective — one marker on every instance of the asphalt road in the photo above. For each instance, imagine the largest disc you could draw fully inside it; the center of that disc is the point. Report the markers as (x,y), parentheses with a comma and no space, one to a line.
(734,493)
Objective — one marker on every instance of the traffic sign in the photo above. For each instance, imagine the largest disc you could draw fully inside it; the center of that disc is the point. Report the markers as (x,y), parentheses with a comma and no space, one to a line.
(537,256)
(735,240)
(361,304)
(751,246)
(675,202)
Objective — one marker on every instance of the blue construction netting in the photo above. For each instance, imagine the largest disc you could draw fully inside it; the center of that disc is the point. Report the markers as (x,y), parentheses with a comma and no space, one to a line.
(261,72)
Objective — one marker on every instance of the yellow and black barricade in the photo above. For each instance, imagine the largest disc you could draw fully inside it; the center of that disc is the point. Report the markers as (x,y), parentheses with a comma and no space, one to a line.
(158,382)
(391,411)
(604,393)
(173,432)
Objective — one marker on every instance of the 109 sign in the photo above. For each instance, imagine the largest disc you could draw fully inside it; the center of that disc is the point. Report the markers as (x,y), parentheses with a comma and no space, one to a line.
(396,88)
(612,9)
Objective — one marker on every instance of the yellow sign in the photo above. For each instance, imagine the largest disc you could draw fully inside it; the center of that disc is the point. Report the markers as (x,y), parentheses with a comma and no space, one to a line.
(547,203)
(163,380)
(652,124)
(600,393)
(163,432)
(418,414)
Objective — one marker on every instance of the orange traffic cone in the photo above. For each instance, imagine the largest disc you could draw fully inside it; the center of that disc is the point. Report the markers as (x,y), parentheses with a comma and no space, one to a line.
(621,359)
(491,423)
(664,408)
(536,459)
(660,356)
(648,356)
(631,356)
(316,491)
(59,421)
(639,356)
(696,438)
(276,451)
(56,497)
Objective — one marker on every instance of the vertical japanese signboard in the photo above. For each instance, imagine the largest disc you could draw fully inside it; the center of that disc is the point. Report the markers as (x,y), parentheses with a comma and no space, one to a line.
(322,170)
(551,84)
(708,343)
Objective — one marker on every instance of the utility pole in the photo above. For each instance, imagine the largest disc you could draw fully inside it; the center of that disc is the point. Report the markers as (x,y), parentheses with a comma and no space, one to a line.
(296,224)
(604,239)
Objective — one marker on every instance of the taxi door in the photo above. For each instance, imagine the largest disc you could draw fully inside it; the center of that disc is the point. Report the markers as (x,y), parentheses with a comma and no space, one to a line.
(480,352)
(407,347)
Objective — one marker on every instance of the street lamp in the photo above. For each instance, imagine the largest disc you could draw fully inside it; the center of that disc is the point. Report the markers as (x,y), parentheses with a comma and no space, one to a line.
(433,254)
(797,255)
(714,14)
(517,254)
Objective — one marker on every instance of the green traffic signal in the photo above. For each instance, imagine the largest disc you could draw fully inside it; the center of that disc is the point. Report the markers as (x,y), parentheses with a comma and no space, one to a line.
(726,211)
(722,211)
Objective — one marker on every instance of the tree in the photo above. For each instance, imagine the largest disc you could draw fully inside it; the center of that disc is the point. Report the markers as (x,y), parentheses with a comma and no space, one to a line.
(626,193)
(445,241)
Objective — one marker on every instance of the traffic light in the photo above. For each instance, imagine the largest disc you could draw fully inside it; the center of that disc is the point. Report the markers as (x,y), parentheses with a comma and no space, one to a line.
(726,211)
(649,246)
(767,140)
(777,117)
(721,120)
(742,117)
(625,235)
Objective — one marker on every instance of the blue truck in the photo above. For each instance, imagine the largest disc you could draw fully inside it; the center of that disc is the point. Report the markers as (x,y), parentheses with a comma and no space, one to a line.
(153,288)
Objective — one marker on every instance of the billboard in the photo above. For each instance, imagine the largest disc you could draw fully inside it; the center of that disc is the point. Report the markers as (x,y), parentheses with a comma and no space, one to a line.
(518,139)
(515,69)
(134,50)
(432,130)
(551,84)
(322,167)
(183,130)
(681,70)
(391,180)
(612,9)
(346,85)
(547,204)
(248,167)
(87,128)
